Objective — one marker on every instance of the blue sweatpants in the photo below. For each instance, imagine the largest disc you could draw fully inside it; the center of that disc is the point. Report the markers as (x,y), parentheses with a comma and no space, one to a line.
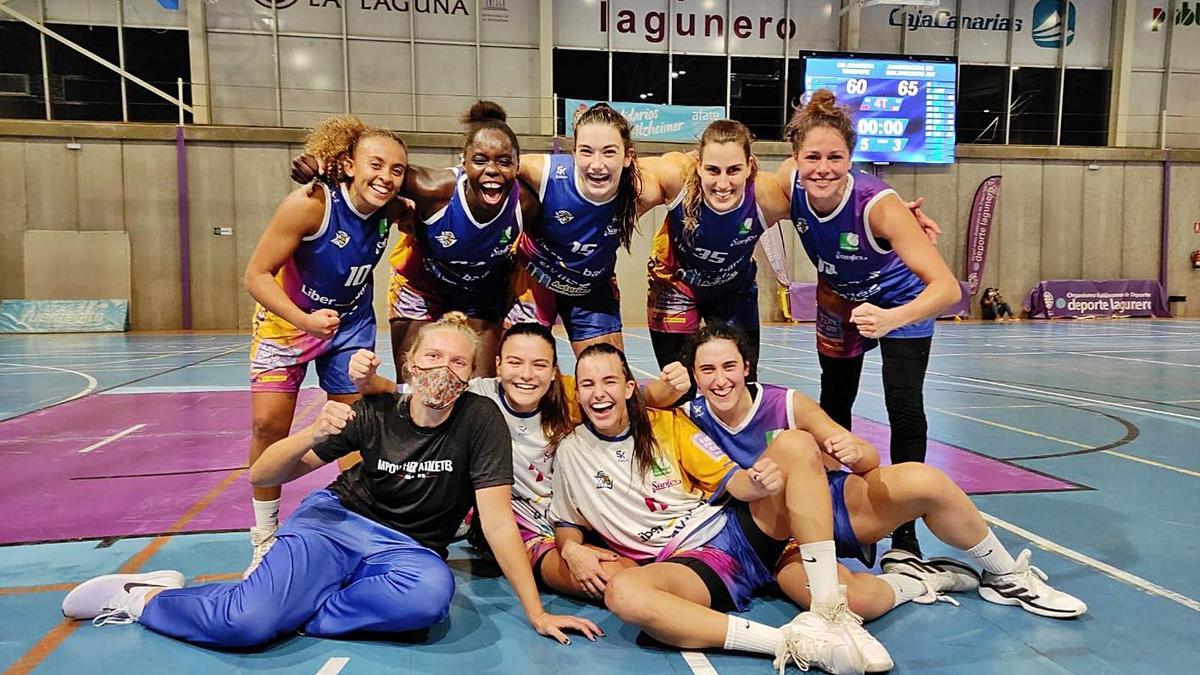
(330,572)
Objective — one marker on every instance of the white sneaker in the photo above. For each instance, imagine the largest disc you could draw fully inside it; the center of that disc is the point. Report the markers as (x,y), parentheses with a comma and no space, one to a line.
(940,575)
(876,658)
(809,640)
(262,539)
(1026,586)
(116,598)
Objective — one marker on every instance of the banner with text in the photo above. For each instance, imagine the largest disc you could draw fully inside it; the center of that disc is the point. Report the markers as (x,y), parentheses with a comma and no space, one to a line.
(63,316)
(653,122)
(1081,298)
(979,230)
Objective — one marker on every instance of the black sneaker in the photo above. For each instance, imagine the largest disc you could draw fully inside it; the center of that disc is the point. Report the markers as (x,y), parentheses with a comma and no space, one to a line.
(905,539)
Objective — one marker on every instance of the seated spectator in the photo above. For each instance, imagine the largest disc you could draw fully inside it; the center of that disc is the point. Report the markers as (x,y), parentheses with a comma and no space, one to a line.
(993,305)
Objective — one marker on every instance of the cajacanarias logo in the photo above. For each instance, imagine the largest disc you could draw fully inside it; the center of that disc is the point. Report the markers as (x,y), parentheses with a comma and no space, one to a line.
(1185,15)
(1049,28)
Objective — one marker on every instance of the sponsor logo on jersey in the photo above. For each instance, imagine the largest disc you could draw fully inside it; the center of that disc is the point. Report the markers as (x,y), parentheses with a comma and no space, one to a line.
(563,216)
(658,485)
(708,445)
(560,171)
(801,225)
(383,226)
(848,241)
(603,480)
(340,239)
(826,268)
(447,239)
(660,470)
(653,505)
(612,230)
(747,225)
(506,235)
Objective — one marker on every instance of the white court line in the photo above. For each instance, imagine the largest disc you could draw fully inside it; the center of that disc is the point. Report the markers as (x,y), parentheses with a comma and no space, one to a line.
(699,663)
(91,381)
(110,439)
(1125,358)
(177,389)
(334,665)
(1114,572)
(1019,430)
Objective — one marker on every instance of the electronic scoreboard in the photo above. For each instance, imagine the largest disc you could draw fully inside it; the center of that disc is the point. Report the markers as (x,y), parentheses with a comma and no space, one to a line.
(903,107)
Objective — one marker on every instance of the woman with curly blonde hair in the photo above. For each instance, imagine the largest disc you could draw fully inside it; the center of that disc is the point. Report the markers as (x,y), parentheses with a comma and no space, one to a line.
(311,277)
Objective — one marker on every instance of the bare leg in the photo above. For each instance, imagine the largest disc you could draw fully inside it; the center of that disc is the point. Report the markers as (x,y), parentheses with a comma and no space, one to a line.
(802,509)
(489,346)
(272,413)
(670,602)
(558,576)
(866,594)
(882,499)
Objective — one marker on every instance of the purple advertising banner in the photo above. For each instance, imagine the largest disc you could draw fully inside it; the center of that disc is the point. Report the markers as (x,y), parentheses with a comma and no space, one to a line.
(1080,298)
(979,230)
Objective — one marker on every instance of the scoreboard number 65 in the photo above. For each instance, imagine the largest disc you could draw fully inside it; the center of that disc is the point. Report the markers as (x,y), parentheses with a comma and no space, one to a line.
(906,87)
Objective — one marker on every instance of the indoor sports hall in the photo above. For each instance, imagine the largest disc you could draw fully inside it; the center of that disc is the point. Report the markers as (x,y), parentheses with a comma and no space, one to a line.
(147,144)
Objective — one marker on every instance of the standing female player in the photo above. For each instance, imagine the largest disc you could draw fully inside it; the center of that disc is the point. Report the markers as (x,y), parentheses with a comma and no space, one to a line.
(458,258)
(311,277)
(367,553)
(879,279)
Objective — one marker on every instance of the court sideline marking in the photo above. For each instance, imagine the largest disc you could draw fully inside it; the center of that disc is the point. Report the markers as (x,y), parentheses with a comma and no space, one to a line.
(110,439)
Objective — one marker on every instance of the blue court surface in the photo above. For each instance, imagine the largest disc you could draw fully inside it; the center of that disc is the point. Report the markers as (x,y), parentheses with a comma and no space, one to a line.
(127,452)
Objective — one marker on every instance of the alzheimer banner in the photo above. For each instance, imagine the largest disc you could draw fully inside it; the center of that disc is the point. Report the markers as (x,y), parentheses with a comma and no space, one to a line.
(1080,298)
(979,229)
(651,122)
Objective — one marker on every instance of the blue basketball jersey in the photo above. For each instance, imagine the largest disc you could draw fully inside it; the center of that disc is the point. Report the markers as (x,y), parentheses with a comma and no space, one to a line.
(845,252)
(331,269)
(575,250)
(720,248)
(459,250)
(770,413)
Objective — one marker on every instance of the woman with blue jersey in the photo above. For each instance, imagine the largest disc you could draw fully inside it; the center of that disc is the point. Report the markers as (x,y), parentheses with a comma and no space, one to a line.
(701,264)
(747,418)
(591,200)
(311,277)
(458,257)
(879,278)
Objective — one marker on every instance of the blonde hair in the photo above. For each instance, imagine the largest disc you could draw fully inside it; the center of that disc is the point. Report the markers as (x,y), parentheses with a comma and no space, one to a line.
(721,131)
(456,321)
(333,140)
(822,110)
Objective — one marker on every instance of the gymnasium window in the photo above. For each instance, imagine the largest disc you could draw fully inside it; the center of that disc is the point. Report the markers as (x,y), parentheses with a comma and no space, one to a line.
(639,78)
(22,95)
(1033,106)
(1085,107)
(579,73)
(982,92)
(698,80)
(80,88)
(756,95)
(159,57)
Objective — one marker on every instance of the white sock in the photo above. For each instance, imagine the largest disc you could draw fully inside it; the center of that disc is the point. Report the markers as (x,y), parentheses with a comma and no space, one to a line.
(266,514)
(992,555)
(820,564)
(904,587)
(750,636)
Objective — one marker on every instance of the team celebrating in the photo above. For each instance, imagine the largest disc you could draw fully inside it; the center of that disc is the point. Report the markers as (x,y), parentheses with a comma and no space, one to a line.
(671,501)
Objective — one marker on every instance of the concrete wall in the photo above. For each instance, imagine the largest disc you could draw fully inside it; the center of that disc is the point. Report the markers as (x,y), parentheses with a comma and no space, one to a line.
(1057,217)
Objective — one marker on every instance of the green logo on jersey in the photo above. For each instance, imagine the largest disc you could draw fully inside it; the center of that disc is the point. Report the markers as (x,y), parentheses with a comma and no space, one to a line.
(848,242)
(383,226)
(772,434)
(506,236)
(746,226)
(659,469)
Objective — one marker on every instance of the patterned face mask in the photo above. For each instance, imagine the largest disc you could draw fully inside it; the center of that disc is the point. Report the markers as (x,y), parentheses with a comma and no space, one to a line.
(439,387)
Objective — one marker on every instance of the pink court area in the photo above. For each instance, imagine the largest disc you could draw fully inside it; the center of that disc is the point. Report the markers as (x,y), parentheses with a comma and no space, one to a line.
(118,465)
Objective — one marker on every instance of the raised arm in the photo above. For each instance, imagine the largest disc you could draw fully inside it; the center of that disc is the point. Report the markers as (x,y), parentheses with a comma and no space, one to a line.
(891,219)
(841,446)
(663,178)
(298,216)
(288,459)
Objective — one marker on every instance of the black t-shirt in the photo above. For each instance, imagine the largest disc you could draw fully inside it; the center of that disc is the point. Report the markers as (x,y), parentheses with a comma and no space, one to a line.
(420,480)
